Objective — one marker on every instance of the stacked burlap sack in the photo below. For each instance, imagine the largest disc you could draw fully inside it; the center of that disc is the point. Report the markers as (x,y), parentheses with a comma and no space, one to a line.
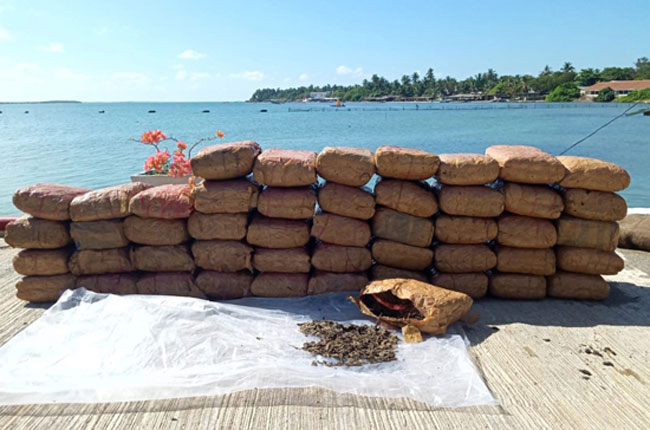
(467,222)
(341,257)
(402,225)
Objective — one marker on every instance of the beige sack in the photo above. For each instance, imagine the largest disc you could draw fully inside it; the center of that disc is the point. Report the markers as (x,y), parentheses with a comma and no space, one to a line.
(280,285)
(346,165)
(105,234)
(217,226)
(222,255)
(148,231)
(44,288)
(169,284)
(235,196)
(337,258)
(277,232)
(635,232)
(380,272)
(467,169)
(597,205)
(406,163)
(465,230)
(533,200)
(346,201)
(328,282)
(474,285)
(588,261)
(400,227)
(290,203)
(464,258)
(593,174)
(413,198)
(400,255)
(166,258)
(526,261)
(226,160)
(47,201)
(114,283)
(224,286)
(340,230)
(171,201)
(285,168)
(99,261)
(30,232)
(471,201)
(581,233)
(291,260)
(42,262)
(526,232)
(517,286)
(565,285)
(526,164)
(106,203)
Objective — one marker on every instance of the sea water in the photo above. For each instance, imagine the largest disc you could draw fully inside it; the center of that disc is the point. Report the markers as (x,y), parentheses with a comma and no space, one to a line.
(75,144)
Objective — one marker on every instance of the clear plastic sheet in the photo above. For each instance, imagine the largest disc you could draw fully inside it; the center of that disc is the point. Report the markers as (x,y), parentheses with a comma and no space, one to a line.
(91,348)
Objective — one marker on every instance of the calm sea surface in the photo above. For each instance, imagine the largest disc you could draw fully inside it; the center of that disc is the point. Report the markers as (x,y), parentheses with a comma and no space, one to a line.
(74,144)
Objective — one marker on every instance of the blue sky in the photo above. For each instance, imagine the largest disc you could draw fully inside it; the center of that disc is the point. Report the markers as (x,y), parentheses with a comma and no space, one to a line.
(211,50)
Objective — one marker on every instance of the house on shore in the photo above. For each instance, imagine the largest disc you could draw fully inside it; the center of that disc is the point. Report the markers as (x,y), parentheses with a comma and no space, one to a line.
(621,88)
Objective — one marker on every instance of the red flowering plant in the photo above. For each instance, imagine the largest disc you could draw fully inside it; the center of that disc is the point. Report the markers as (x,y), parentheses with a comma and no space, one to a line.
(162,162)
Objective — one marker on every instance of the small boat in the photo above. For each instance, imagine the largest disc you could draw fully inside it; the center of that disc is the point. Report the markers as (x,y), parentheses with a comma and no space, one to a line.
(26,111)
(205,111)
(151,111)
(101,111)
(338,104)
(263,110)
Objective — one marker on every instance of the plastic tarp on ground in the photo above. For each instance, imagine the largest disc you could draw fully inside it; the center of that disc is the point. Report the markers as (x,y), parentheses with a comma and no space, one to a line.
(92,347)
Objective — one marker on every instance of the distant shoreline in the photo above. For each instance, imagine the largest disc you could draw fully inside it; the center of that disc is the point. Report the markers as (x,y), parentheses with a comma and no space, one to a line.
(41,102)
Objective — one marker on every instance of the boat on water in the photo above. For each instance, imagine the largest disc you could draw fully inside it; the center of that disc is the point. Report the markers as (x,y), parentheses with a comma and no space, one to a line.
(205,111)
(263,110)
(338,104)
(151,111)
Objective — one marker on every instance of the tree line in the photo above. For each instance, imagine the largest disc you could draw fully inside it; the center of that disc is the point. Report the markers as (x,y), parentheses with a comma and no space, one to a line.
(559,85)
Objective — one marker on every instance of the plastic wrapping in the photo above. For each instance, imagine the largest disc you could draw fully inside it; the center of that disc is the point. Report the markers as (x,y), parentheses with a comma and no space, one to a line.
(90,348)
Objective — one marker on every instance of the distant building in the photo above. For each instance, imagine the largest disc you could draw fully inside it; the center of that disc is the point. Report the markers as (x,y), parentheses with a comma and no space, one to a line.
(621,88)
(319,96)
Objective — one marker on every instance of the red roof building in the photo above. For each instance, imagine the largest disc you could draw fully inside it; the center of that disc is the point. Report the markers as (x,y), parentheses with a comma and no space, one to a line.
(620,88)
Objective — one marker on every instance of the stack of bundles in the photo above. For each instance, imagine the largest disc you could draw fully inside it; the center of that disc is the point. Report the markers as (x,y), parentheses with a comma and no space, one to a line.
(402,225)
(341,256)
(588,231)
(45,234)
(219,225)
(526,233)
(466,223)
(280,231)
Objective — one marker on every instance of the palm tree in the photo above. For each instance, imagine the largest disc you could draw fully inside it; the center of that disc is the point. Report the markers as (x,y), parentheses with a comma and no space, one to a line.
(568,67)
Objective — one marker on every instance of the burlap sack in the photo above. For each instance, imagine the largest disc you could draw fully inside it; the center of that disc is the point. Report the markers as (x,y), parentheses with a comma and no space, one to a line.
(115,283)
(346,165)
(155,231)
(280,285)
(169,284)
(588,261)
(526,232)
(467,169)
(217,226)
(533,200)
(164,201)
(565,285)
(400,255)
(380,272)
(400,227)
(405,163)
(464,258)
(402,302)
(285,168)
(235,196)
(44,288)
(413,198)
(635,232)
(292,260)
(104,234)
(465,230)
(42,262)
(47,201)
(106,203)
(593,174)
(517,286)
(226,160)
(526,164)
(290,203)
(30,232)
(340,259)
(346,201)
(471,201)
(340,230)
(328,282)
(99,261)
(598,205)
(526,261)
(277,232)
(166,258)
(222,255)
(582,233)
(225,286)
(474,285)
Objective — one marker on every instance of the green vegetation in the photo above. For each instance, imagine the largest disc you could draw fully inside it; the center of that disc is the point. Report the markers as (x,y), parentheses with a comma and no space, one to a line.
(560,85)
(636,96)
(605,95)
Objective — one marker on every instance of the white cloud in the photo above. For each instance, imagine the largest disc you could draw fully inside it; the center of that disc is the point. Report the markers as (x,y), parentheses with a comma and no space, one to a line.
(190,54)
(199,75)
(303,76)
(52,47)
(138,78)
(65,73)
(4,34)
(346,71)
(101,31)
(254,75)
(181,74)
(26,67)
